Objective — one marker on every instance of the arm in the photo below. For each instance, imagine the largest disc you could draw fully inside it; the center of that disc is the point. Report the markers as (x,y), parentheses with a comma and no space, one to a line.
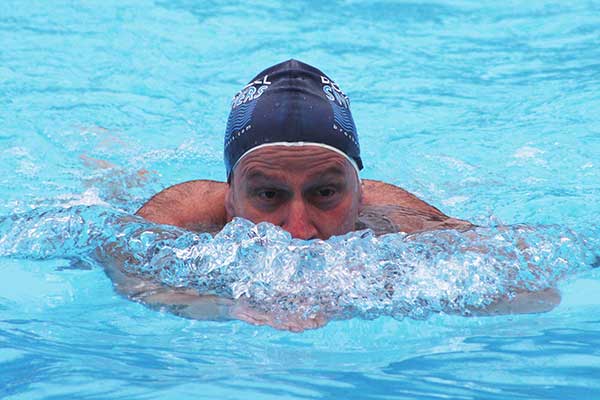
(182,302)
(521,299)
(189,303)
(191,205)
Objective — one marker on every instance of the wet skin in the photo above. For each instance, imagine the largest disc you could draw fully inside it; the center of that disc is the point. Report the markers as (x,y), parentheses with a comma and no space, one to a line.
(311,192)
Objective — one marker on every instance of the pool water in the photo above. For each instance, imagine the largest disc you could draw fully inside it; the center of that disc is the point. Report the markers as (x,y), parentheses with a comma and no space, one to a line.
(486,110)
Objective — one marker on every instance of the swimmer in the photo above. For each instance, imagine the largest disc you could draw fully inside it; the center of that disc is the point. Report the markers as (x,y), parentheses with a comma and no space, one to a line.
(292,158)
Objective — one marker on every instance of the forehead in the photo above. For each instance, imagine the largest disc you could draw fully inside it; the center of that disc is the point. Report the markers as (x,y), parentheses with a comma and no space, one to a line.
(287,162)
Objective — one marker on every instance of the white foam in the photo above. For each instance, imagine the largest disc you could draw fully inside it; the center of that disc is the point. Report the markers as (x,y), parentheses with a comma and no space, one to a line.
(527,152)
(454,200)
(91,197)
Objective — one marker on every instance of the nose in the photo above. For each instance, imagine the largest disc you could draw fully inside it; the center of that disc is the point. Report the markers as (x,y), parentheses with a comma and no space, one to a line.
(298,223)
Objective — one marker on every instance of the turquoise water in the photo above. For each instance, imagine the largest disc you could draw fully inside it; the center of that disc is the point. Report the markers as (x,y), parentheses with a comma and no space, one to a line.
(488,111)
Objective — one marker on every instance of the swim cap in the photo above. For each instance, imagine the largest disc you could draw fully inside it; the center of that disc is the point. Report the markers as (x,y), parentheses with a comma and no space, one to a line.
(290,103)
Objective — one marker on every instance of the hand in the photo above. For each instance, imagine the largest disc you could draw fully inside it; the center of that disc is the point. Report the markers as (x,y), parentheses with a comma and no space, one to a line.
(524,302)
(244,311)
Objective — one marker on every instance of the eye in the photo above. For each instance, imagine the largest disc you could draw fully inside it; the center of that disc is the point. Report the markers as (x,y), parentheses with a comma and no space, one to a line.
(327,195)
(267,195)
(326,192)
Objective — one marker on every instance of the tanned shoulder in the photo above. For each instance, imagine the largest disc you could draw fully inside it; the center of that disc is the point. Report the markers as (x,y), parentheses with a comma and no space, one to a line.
(197,205)
(381,193)
(388,208)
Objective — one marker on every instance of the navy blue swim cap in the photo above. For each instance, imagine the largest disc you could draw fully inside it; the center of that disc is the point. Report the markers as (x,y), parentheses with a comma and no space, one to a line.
(290,103)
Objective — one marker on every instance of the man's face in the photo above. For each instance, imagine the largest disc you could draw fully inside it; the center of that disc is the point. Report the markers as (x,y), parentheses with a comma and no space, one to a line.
(309,191)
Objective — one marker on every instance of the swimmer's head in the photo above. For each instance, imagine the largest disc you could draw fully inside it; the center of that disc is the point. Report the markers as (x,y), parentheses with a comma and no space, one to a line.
(292,154)
(290,104)
(310,191)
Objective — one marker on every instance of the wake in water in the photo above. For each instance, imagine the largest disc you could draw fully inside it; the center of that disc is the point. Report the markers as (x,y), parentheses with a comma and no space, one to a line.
(358,274)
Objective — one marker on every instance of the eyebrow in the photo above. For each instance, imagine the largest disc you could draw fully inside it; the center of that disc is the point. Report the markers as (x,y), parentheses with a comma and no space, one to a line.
(333,171)
(259,175)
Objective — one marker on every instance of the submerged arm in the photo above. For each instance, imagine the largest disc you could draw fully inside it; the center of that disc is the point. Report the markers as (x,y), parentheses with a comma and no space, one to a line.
(528,281)
(395,209)
(191,304)
(182,302)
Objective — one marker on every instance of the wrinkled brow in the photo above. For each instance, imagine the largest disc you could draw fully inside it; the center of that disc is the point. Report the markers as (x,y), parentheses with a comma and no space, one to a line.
(333,171)
(260,176)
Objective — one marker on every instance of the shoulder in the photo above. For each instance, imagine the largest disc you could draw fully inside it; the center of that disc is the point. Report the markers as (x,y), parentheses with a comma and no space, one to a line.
(389,208)
(377,193)
(189,205)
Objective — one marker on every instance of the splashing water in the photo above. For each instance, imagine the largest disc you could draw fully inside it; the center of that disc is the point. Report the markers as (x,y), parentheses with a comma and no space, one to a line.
(358,274)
